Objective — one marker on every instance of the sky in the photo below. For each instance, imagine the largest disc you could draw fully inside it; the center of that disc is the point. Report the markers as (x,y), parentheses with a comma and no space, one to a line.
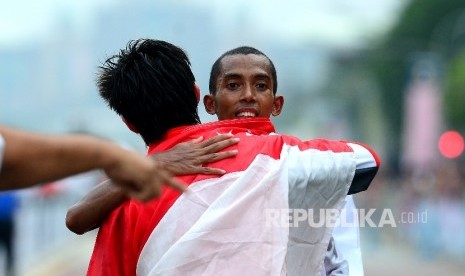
(25,20)
(334,23)
(329,21)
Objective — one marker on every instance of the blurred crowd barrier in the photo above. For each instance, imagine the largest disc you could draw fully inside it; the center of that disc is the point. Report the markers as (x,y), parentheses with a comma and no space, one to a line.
(428,211)
(42,243)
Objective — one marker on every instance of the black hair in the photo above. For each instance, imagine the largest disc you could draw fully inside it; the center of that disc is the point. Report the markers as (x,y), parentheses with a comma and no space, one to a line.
(242,50)
(151,85)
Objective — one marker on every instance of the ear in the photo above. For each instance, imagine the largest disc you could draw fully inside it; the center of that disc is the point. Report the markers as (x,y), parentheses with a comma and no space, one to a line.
(197,92)
(209,103)
(129,125)
(277,105)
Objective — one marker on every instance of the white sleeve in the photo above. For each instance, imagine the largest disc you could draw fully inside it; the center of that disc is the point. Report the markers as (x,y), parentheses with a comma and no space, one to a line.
(367,166)
(2,149)
(364,158)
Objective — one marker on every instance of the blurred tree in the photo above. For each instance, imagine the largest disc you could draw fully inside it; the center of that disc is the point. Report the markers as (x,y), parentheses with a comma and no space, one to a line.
(425,26)
(454,94)
(354,93)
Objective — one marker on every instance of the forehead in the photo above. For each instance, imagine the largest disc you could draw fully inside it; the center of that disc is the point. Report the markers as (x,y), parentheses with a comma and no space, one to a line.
(245,65)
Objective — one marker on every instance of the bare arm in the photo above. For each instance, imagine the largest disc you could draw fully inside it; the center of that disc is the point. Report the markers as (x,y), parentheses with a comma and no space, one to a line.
(31,158)
(184,158)
(88,213)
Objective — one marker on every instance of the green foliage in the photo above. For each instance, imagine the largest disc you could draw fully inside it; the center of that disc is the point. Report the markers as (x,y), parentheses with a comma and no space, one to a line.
(454,94)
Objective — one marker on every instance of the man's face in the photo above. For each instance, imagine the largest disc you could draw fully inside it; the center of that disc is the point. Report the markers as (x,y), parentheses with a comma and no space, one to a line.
(244,89)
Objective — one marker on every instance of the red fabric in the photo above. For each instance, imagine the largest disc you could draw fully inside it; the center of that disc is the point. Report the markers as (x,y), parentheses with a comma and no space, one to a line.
(122,237)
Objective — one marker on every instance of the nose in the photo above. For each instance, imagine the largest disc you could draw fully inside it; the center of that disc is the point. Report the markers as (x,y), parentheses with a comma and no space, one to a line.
(248,94)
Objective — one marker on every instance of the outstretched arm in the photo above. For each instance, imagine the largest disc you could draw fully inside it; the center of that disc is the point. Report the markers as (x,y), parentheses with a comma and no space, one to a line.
(184,158)
(30,158)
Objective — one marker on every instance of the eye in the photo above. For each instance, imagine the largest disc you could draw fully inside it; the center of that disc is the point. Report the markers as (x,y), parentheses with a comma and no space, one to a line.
(232,85)
(261,86)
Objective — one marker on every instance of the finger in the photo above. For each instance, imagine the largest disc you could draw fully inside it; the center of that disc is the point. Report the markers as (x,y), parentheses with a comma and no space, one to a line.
(126,186)
(201,170)
(216,139)
(143,196)
(190,143)
(197,140)
(212,157)
(218,146)
(139,193)
(208,170)
(174,183)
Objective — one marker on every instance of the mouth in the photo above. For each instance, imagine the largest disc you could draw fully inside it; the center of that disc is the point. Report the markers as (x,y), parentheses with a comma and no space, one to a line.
(246,113)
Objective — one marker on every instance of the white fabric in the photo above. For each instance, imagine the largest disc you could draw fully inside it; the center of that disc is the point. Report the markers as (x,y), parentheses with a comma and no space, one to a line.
(346,236)
(219,227)
(363,157)
(2,150)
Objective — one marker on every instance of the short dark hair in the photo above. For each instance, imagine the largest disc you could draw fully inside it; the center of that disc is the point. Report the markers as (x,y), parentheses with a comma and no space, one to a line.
(242,50)
(151,85)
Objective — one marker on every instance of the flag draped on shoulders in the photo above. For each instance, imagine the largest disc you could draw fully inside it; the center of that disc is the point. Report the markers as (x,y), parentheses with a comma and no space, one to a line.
(237,223)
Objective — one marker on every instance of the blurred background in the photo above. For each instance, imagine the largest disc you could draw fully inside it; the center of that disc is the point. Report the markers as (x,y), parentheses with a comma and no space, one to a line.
(389,73)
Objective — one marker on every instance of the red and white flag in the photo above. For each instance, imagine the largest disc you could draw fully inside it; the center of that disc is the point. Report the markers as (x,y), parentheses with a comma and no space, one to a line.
(229,225)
